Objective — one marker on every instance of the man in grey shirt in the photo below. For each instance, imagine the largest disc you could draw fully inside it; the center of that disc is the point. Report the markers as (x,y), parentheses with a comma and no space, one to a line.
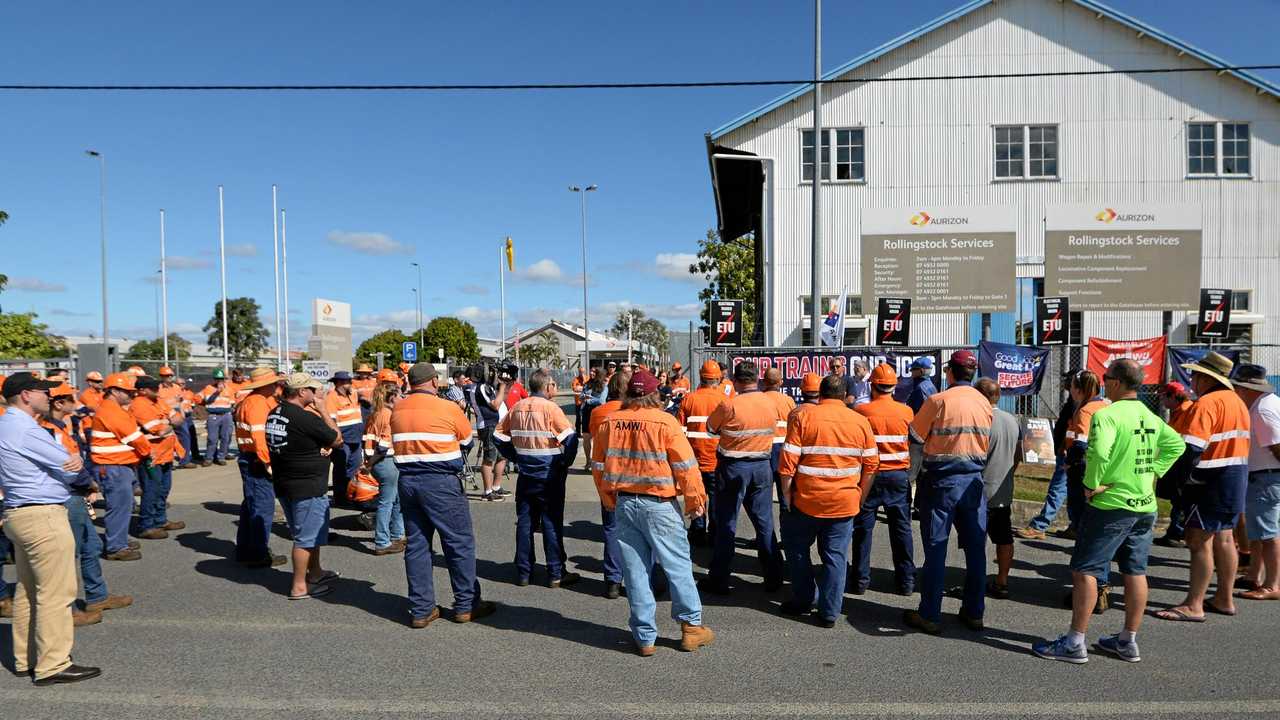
(1003,455)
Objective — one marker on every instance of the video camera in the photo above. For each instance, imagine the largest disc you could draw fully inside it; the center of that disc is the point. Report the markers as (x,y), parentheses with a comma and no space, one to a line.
(495,373)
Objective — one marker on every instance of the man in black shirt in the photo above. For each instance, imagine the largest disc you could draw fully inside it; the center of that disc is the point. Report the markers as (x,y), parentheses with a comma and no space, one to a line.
(300,436)
(1057,492)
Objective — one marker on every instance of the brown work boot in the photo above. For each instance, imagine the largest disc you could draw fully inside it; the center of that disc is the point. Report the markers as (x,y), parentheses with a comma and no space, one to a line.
(85,617)
(693,637)
(153,534)
(419,623)
(174,525)
(126,554)
(481,609)
(6,608)
(111,602)
(645,650)
(392,549)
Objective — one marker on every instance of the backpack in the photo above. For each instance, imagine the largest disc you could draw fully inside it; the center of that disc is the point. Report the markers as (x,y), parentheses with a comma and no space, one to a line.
(363,488)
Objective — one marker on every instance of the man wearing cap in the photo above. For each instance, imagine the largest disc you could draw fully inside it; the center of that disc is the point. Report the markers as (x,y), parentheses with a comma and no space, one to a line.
(258,507)
(890,423)
(641,464)
(92,394)
(954,426)
(35,475)
(428,437)
(363,384)
(1217,457)
(118,447)
(218,399)
(343,406)
(171,396)
(1262,497)
(696,407)
(745,424)
(679,381)
(156,473)
(1174,397)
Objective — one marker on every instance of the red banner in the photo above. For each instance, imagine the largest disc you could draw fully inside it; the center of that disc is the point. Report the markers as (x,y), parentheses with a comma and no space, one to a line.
(1148,353)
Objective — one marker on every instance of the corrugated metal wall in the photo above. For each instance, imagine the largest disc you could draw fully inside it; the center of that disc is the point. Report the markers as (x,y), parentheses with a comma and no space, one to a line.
(1121,138)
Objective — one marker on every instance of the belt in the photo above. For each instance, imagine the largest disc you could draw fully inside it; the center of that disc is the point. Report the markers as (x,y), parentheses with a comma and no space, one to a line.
(34,504)
(644,496)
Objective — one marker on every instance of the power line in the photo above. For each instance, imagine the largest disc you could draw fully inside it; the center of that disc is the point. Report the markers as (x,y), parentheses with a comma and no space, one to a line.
(444,87)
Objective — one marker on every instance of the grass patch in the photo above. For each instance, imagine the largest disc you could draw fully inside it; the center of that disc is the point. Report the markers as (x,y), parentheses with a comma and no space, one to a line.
(1032,482)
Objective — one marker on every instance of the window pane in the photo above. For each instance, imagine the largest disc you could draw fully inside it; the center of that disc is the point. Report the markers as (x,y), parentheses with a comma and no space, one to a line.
(1051,168)
(1235,148)
(1201,152)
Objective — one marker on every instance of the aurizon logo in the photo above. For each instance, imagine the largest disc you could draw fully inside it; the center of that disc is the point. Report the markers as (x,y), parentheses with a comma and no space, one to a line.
(923,218)
(1108,215)
(327,309)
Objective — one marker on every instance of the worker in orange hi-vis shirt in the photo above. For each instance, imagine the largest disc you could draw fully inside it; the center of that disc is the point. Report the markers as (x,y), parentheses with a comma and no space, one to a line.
(118,447)
(156,419)
(891,422)
(679,381)
(91,395)
(696,407)
(219,399)
(343,406)
(238,382)
(363,384)
(829,461)
(172,396)
(609,521)
(259,504)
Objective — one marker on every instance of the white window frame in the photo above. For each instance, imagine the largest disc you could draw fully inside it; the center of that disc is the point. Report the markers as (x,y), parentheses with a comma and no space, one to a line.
(1217,150)
(1026,176)
(829,165)
(1247,295)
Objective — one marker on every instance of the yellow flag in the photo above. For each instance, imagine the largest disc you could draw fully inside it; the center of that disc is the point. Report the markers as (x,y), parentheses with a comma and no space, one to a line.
(511,255)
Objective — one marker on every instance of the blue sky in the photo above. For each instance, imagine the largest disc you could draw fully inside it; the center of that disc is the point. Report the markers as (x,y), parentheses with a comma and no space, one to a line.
(372,182)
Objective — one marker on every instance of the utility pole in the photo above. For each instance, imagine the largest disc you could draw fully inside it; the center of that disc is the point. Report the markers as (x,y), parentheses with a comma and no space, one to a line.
(815,308)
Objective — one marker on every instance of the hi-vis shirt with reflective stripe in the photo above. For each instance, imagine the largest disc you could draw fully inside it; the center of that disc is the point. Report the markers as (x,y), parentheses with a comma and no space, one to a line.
(251,426)
(694,411)
(644,452)
(1078,428)
(377,434)
(429,434)
(785,406)
(537,437)
(62,436)
(830,454)
(114,436)
(745,424)
(1217,426)
(602,413)
(345,411)
(890,420)
(216,401)
(955,427)
(153,417)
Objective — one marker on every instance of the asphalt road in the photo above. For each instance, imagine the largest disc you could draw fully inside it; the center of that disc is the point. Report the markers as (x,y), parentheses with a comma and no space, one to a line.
(208,639)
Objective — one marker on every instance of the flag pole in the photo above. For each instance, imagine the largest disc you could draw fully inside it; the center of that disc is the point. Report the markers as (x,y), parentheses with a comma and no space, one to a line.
(164,292)
(222,259)
(502,290)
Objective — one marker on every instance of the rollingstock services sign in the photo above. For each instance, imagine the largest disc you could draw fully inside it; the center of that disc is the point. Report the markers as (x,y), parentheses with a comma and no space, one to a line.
(944,259)
(1123,257)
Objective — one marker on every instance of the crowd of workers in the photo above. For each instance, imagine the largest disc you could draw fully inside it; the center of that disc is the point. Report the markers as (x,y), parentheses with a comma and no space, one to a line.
(660,451)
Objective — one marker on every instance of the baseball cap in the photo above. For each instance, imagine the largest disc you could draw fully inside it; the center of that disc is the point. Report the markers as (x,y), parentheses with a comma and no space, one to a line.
(925,362)
(1173,388)
(301,381)
(810,383)
(422,372)
(21,381)
(94,375)
(120,380)
(710,369)
(964,359)
(884,375)
(642,383)
(146,382)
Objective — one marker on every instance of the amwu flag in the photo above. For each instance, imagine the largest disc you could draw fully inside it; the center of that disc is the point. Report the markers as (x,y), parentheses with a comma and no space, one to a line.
(1148,353)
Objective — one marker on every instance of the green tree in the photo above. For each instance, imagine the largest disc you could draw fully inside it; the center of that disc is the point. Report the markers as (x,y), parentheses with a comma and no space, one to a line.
(729,268)
(179,348)
(646,330)
(457,337)
(544,351)
(22,337)
(387,342)
(246,336)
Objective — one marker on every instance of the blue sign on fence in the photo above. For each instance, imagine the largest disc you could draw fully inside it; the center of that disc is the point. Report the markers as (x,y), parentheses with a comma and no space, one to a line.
(1016,368)
(409,351)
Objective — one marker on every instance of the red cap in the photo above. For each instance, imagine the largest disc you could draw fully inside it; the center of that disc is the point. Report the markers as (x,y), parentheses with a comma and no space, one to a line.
(810,383)
(963,358)
(642,383)
(1174,388)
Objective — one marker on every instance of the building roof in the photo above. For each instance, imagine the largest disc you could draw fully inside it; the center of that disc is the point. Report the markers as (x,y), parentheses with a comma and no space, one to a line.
(1261,84)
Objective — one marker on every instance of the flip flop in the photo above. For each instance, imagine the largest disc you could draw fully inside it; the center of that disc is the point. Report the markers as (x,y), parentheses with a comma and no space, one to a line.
(1211,608)
(325,578)
(1176,615)
(313,591)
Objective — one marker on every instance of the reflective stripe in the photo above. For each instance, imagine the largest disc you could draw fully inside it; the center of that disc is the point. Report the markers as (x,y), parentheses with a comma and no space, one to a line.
(697,418)
(746,433)
(829,472)
(148,425)
(1194,441)
(742,453)
(894,456)
(620,479)
(700,435)
(793,449)
(869,452)
(1228,435)
(435,437)
(104,449)
(1222,462)
(131,436)
(891,438)
(532,433)
(597,465)
(915,435)
(781,423)
(367,436)
(565,434)
(779,439)
(101,434)
(961,430)
(827,450)
(1071,435)
(349,423)
(539,451)
(685,464)
(501,437)
(250,428)
(635,454)
(429,457)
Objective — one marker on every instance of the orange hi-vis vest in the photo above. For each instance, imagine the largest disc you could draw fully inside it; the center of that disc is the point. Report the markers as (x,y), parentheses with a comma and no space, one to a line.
(643,451)
(377,433)
(1078,428)
(891,422)
(1218,425)
(578,384)
(345,411)
(955,428)
(602,413)
(428,434)
(1179,416)
(745,424)
(91,397)
(172,396)
(726,387)
(153,417)
(219,401)
(695,410)
(830,454)
(785,406)
(251,426)
(680,384)
(115,438)
(537,431)
(364,388)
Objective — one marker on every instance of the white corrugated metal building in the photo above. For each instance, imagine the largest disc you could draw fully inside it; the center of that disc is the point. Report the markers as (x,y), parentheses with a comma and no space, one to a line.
(1103,139)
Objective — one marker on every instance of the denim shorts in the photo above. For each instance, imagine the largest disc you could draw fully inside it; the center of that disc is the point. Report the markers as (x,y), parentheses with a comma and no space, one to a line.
(308,520)
(1210,520)
(488,451)
(1113,534)
(1262,506)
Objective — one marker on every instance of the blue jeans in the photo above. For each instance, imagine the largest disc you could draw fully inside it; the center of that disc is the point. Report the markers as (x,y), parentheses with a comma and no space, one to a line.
(945,501)
(192,441)
(181,455)
(218,426)
(541,500)
(256,510)
(346,463)
(832,534)
(891,490)
(116,482)
(388,524)
(435,503)
(650,529)
(609,521)
(156,481)
(704,522)
(739,483)
(1053,497)
(88,549)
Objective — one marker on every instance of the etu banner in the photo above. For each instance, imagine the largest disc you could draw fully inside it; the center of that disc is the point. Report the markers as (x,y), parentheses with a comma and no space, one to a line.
(1148,353)
(1017,369)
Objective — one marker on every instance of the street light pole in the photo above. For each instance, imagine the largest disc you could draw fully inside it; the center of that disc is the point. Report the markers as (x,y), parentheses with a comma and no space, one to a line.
(222,261)
(275,253)
(586,329)
(102,229)
(815,317)
(284,273)
(419,304)
(164,291)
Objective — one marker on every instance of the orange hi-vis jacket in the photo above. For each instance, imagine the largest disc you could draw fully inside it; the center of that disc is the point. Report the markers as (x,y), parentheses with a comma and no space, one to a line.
(153,417)
(831,456)
(1179,416)
(1218,426)
(377,434)
(536,435)
(680,384)
(429,434)
(91,397)
(218,401)
(251,426)
(345,411)
(643,451)
(745,424)
(238,391)
(578,384)
(172,396)
(602,413)
(364,388)
(955,428)
(62,436)
(726,387)
(785,406)
(891,422)
(115,438)
(695,410)
(1078,428)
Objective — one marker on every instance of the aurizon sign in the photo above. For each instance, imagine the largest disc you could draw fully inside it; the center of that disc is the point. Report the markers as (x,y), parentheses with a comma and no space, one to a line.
(1108,215)
(923,218)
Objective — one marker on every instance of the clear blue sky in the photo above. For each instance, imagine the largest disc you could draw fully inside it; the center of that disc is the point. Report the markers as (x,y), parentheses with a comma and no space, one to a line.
(442,178)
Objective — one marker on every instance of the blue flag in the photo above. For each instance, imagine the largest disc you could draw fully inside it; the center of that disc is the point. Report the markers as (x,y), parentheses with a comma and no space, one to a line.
(1178,356)
(1017,369)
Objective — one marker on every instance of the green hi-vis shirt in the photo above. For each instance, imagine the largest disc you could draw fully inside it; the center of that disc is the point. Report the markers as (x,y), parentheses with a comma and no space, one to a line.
(1129,447)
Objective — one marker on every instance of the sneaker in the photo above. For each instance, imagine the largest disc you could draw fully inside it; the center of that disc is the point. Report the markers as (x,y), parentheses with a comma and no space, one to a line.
(1030,533)
(1060,650)
(1113,645)
(492,497)
(501,491)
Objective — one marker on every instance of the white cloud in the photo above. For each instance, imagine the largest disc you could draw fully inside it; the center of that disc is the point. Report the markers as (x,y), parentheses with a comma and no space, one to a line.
(30,284)
(182,262)
(474,314)
(543,271)
(474,290)
(675,266)
(377,322)
(369,243)
(242,250)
